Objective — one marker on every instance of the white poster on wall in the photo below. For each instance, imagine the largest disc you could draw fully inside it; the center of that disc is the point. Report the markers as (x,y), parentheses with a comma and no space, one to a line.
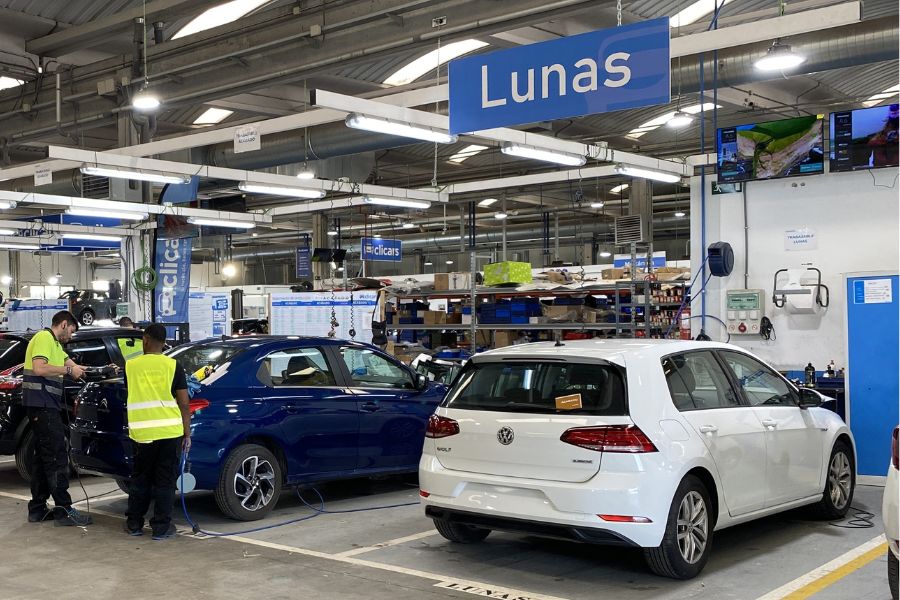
(309,313)
(246,139)
(25,315)
(877,291)
(209,314)
(800,239)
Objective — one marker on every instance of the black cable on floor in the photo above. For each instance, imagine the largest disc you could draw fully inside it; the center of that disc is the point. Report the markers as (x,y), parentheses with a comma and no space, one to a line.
(862,519)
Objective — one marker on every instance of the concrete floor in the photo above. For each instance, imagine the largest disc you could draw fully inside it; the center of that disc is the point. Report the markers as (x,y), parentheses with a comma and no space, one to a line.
(396,554)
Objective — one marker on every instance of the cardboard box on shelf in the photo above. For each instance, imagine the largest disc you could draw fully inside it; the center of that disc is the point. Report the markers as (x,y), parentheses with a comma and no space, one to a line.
(505,338)
(612,273)
(567,313)
(434,317)
(441,282)
(504,273)
(454,318)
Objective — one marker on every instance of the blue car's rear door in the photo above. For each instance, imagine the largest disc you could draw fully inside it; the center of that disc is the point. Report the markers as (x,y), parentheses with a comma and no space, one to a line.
(318,417)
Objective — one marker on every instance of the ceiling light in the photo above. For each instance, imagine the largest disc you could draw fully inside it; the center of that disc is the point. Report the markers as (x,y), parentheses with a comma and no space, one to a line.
(605,254)
(778,58)
(6,280)
(408,225)
(647,174)
(487,202)
(5,204)
(431,61)
(279,190)
(500,215)
(596,205)
(8,232)
(213,116)
(151,176)
(680,119)
(428,263)
(679,214)
(398,202)
(229,270)
(657,122)
(145,100)
(106,214)
(16,246)
(306,173)
(254,234)
(332,232)
(391,127)
(449,262)
(466,153)
(221,223)
(339,269)
(694,12)
(376,235)
(9,82)
(218,16)
(561,158)
(53,280)
(92,236)
(619,188)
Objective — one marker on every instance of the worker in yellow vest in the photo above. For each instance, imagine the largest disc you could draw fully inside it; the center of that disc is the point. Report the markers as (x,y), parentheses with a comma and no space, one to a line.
(159,422)
(129,347)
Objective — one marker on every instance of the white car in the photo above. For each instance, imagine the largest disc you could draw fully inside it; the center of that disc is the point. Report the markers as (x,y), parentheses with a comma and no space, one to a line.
(890,512)
(653,444)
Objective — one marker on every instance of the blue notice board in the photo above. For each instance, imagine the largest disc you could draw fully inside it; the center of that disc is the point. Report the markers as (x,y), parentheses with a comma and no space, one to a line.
(594,72)
(873,356)
(382,249)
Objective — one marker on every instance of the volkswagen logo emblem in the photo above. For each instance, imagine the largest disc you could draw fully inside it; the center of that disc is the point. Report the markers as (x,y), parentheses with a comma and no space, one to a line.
(505,436)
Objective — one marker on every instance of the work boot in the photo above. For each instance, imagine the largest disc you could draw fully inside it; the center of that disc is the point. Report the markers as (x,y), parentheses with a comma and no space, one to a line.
(40,514)
(72,518)
(168,534)
(133,530)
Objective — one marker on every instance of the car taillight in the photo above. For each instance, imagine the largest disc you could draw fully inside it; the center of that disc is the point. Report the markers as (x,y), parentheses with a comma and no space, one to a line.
(624,519)
(441,427)
(10,383)
(197,404)
(609,438)
(895,449)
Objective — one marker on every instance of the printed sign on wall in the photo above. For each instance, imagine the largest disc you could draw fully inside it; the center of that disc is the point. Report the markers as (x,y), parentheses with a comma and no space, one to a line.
(596,72)
(800,239)
(382,249)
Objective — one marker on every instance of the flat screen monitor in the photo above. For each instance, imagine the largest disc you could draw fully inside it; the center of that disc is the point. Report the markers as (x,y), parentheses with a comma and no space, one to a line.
(772,149)
(865,138)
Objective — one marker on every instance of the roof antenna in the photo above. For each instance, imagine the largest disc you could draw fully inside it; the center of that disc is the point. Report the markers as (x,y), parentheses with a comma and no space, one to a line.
(558,340)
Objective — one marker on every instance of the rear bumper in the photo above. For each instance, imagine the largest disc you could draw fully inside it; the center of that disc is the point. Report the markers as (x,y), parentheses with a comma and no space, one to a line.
(890,509)
(555,509)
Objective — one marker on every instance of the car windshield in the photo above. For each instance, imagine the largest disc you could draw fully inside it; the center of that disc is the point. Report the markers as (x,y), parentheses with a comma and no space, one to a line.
(195,359)
(541,387)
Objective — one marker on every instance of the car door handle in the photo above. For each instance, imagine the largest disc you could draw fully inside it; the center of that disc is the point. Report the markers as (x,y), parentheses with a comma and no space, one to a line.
(369,407)
(290,407)
(708,429)
(770,423)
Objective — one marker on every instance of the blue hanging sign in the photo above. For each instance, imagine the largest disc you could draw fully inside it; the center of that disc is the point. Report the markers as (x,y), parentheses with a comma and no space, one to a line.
(382,249)
(173,269)
(596,72)
(304,266)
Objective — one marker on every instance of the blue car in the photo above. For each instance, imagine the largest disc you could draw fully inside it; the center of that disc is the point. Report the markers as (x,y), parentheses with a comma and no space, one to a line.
(274,412)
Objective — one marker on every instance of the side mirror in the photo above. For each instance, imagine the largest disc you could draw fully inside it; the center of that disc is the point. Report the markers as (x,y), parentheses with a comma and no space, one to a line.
(421,381)
(809,398)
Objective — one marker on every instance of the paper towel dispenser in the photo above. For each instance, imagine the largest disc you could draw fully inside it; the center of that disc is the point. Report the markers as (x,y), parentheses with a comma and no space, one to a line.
(791,293)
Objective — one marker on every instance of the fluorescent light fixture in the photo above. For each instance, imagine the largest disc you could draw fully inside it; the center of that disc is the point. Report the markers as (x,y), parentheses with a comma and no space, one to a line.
(466,153)
(694,12)
(431,61)
(391,127)
(145,100)
(229,270)
(605,254)
(8,232)
(218,16)
(500,215)
(279,190)
(9,82)
(92,236)
(428,263)
(332,232)
(221,223)
(778,58)
(679,214)
(16,246)
(487,202)
(879,98)
(619,188)
(106,214)
(596,205)
(664,119)
(5,204)
(560,158)
(408,225)
(213,116)
(151,176)
(647,174)
(398,202)
(680,119)
(6,280)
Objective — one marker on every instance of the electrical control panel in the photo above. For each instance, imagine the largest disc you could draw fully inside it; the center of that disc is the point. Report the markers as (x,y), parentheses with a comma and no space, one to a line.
(744,311)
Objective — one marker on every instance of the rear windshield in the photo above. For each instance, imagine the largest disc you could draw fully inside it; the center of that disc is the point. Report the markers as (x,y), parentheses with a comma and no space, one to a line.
(541,387)
(194,358)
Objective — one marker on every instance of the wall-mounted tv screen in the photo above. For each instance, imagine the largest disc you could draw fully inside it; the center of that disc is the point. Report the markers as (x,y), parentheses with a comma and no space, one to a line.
(772,149)
(865,138)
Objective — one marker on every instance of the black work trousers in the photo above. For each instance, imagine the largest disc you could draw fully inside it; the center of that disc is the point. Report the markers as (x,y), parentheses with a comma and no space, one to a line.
(155,473)
(50,464)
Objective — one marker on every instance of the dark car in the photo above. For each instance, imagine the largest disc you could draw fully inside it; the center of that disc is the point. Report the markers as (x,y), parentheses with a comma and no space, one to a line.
(274,411)
(90,347)
(90,305)
(250,327)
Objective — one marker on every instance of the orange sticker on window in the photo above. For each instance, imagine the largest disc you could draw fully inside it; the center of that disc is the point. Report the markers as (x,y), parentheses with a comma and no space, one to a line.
(572,402)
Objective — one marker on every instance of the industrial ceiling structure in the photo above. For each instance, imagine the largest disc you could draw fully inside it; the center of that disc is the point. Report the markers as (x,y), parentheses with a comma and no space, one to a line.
(72,69)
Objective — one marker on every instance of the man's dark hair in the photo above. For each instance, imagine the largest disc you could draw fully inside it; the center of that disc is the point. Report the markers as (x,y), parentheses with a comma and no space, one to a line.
(126,322)
(156,332)
(64,316)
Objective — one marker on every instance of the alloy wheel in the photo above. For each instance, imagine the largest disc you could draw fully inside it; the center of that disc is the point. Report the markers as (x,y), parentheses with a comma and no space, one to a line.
(840,478)
(254,483)
(693,527)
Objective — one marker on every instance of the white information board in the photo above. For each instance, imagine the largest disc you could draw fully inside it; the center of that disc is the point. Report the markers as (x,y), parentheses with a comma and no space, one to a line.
(309,313)
(23,315)
(209,314)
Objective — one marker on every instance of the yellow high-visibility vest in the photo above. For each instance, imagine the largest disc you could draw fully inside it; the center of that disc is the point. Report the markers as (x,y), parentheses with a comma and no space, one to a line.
(153,413)
(130,347)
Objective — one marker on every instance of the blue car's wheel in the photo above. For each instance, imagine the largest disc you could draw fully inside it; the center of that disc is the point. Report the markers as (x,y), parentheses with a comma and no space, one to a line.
(250,483)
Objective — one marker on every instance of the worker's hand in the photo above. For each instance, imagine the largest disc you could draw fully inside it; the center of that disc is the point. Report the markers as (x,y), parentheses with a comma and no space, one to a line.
(77,371)
(186,443)
(116,368)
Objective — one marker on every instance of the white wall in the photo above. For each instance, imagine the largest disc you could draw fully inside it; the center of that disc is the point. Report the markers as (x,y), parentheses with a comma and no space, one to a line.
(857,228)
(34,269)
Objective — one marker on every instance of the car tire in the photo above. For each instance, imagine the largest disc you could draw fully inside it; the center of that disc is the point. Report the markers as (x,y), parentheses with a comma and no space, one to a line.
(87,317)
(893,573)
(460,532)
(250,483)
(124,485)
(840,483)
(25,455)
(690,524)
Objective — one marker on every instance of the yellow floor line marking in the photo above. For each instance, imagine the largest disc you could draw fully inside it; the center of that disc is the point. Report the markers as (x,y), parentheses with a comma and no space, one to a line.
(443,579)
(388,544)
(832,571)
